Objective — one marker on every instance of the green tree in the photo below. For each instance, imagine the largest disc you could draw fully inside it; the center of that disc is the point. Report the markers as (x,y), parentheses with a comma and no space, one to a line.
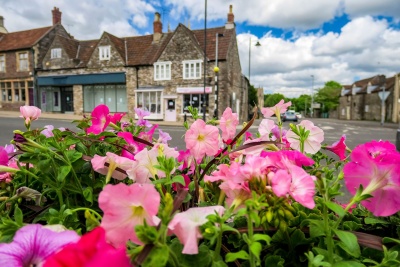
(328,96)
(272,100)
(253,99)
(302,103)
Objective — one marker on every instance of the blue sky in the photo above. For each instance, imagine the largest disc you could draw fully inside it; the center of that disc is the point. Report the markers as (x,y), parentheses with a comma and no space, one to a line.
(341,40)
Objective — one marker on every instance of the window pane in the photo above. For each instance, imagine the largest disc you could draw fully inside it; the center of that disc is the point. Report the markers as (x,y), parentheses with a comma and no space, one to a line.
(139,100)
(110,95)
(23,96)
(4,95)
(197,70)
(157,71)
(99,95)
(167,71)
(121,98)
(162,76)
(187,70)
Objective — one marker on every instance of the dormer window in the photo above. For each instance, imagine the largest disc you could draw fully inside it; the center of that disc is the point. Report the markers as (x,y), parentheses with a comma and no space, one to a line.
(56,53)
(104,52)
(162,71)
(192,69)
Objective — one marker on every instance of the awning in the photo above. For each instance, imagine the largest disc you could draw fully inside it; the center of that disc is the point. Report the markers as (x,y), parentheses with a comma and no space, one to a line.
(98,78)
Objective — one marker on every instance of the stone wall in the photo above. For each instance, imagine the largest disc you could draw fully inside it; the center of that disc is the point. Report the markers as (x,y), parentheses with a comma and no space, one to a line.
(115,58)
(78,99)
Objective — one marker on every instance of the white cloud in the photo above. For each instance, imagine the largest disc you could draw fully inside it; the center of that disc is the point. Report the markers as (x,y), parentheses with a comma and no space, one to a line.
(356,8)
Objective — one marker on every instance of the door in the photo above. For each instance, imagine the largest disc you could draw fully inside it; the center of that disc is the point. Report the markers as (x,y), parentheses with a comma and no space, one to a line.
(67,99)
(347,113)
(170,112)
(56,99)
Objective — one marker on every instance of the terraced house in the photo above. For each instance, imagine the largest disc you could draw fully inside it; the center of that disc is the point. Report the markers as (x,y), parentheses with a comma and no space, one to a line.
(21,54)
(162,72)
(363,99)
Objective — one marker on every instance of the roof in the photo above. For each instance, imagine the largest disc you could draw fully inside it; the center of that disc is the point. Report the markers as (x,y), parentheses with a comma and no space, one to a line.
(70,46)
(119,44)
(85,50)
(22,39)
(376,82)
(223,42)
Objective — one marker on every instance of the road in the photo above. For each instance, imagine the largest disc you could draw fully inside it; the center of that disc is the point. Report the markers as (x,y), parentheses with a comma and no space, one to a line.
(356,132)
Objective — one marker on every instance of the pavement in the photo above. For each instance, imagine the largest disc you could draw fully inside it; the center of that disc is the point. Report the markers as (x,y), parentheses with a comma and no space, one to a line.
(71,117)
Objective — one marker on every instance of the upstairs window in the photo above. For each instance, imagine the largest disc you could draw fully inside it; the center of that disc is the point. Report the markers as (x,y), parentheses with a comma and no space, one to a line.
(56,53)
(2,63)
(104,52)
(192,69)
(23,64)
(162,71)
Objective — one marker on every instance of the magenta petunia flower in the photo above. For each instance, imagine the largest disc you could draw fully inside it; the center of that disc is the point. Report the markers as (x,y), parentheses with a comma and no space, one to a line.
(185,226)
(126,206)
(278,109)
(375,165)
(132,147)
(312,144)
(33,244)
(228,123)
(30,113)
(116,117)
(3,156)
(100,119)
(339,148)
(202,139)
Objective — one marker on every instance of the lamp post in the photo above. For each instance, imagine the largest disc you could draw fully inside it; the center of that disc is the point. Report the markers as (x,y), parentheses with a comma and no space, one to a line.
(205,60)
(257,44)
(312,96)
(216,71)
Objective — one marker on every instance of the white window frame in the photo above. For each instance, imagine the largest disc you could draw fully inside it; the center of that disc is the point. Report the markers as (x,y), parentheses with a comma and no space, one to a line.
(56,53)
(3,63)
(190,71)
(152,116)
(162,71)
(105,52)
(23,60)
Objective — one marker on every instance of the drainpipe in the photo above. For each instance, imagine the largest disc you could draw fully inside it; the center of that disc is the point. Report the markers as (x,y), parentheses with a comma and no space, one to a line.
(35,85)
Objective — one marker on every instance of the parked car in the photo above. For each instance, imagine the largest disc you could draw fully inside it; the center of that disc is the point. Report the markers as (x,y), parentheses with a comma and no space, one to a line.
(298,115)
(289,116)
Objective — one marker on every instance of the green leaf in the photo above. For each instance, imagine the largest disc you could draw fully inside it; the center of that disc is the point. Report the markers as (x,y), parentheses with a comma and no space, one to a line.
(256,248)
(390,240)
(88,194)
(348,264)
(18,216)
(274,261)
(73,155)
(179,179)
(259,237)
(230,257)
(335,208)
(350,242)
(370,220)
(63,172)
(158,257)
(316,228)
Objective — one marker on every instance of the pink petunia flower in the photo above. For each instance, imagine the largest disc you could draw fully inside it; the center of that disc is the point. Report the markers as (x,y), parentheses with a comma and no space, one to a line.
(100,119)
(265,127)
(185,226)
(132,147)
(3,156)
(163,137)
(116,117)
(339,148)
(126,206)
(202,140)
(33,244)
(375,166)
(30,113)
(113,161)
(141,113)
(228,123)
(278,109)
(312,140)
(91,250)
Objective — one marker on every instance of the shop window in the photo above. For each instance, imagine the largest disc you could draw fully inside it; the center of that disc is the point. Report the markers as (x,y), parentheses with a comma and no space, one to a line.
(114,96)
(150,101)
(195,101)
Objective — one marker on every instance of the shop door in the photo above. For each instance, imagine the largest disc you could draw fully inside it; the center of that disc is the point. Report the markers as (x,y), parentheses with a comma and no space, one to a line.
(170,112)
(67,99)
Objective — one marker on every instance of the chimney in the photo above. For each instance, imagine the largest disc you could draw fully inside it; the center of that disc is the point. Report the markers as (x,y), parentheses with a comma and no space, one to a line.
(157,27)
(230,24)
(2,28)
(56,16)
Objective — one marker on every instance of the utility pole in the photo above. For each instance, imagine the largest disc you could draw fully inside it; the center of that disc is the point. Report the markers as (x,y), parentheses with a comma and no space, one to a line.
(312,96)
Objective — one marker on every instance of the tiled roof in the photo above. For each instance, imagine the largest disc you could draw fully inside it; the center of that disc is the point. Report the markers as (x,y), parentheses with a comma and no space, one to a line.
(70,46)
(223,42)
(118,44)
(85,50)
(22,39)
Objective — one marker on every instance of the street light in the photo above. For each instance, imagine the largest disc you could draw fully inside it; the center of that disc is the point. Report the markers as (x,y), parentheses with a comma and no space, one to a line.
(205,59)
(216,70)
(257,44)
(312,97)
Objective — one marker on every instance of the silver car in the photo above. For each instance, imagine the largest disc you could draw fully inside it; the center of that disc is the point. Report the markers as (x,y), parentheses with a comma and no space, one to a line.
(289,116)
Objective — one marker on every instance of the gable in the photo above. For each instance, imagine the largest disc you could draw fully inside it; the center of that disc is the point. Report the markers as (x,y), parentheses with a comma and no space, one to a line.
(115,56)
(68,48)
(22,39)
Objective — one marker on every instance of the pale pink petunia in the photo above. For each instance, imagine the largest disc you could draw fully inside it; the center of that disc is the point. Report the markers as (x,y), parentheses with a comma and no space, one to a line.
(141,113)
(375,166)
(113,161)
(48,131)
(126,206)
(312,144)
(339,148)
(302,188)
(100,119)
(202,139)
(185,226)
(278,109)
(30,113)
(163,137)
(280,182)
(293,156)
(265,127)
(228,123)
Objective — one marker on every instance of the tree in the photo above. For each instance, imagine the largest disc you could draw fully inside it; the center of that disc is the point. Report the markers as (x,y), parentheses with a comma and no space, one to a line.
(302,103)
(253,98)
(272,100)
(328,96)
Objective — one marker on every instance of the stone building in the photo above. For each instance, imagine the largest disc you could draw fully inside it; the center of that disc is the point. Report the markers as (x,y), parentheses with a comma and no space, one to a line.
(362,100)
(21,54)
(161,73)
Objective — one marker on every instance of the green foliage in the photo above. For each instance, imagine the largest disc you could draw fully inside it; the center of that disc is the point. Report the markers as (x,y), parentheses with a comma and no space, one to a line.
(272,100)
(328,96)
(253,98)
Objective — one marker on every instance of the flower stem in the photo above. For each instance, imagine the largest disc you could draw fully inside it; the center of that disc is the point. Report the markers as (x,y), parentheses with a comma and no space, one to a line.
(217,250)
(173,257)
(60,197)
(250,233)
(328,232)
(85,209)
